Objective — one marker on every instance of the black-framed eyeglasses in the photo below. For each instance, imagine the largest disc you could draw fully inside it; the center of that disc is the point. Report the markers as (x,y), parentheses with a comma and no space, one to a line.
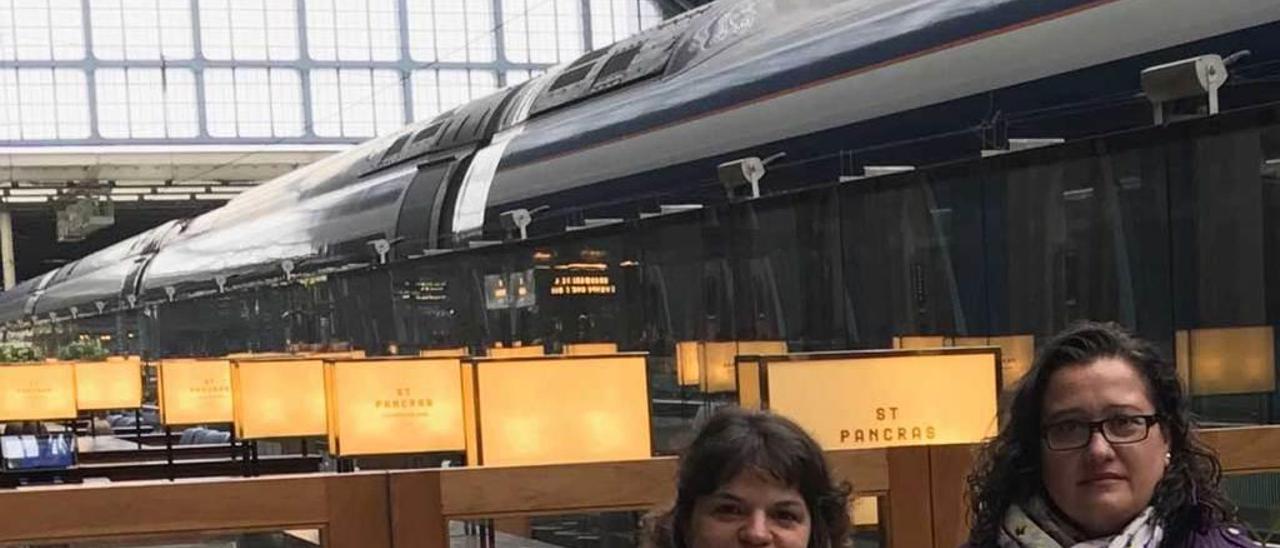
(1118,430)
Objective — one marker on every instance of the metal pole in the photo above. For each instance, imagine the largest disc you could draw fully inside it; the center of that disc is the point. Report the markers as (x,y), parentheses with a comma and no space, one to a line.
(137,426)
(168,450)
(6,248)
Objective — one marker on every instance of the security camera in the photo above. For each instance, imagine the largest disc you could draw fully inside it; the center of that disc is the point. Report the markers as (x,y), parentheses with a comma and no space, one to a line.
(1203,75)
(741,177)
(382,247)
(519,220)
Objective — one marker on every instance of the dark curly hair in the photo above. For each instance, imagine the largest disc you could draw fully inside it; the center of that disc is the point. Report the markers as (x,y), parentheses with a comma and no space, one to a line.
(734,440)
(1187,499)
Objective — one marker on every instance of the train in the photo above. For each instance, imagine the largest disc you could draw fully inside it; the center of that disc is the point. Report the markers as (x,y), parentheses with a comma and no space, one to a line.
(830,87)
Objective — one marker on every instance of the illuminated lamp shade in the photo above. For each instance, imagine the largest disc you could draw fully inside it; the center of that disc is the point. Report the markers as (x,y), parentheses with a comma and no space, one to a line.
(343,355)
(944,396)
(532,351)
(1229,360)
(762,348)
(279,398)
(256,355)
(460,352)
(718,358)
(562,410)
(195,391)
(37,392)
(113,384)
(718,366)
(865,511)
(590,349)
(689,363)
(469,419)
(919,342)
(391,406)
(1017,352)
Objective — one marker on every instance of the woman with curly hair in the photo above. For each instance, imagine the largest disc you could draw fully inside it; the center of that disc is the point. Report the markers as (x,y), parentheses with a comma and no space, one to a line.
(1099,450)
(753,479)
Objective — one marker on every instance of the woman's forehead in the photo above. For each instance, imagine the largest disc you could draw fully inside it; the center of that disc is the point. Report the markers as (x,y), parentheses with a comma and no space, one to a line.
(1096,386)
(755,483)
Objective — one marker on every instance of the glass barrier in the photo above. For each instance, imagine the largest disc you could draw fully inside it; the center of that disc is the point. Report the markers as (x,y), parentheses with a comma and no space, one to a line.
(1257,497)
(629,529)
(54,451)
(300,538)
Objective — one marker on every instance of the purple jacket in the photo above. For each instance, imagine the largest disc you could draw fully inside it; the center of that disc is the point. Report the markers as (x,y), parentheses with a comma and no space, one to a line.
(1223,537)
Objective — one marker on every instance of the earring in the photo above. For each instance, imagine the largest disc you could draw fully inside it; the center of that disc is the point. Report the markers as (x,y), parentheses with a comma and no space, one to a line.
(1168,457)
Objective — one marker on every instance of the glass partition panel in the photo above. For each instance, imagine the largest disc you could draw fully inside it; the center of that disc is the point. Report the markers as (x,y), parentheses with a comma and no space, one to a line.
(589,291)
(787,272)
(1257,497)
(1226,243)
(434,306)
(298,538)
(1075,233)
(899,261)
(686,277)
(949,284)
(362,314)
(626,529)
(507,302)
(684,290)
(611,529)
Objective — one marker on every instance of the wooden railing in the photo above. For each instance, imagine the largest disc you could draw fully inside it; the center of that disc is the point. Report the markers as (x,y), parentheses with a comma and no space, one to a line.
(924,487)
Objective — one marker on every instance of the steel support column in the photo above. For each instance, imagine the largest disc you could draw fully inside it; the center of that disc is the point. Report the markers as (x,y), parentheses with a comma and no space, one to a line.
(6,248)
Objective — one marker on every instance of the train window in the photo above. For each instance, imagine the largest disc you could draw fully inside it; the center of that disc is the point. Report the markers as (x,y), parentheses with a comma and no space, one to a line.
(396,147)
(426,133)
(617,64)
(572,77)
(637,58)
(457,128)
(589,57)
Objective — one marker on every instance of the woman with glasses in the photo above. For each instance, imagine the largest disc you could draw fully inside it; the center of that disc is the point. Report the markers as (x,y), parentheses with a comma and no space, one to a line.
(1098,450)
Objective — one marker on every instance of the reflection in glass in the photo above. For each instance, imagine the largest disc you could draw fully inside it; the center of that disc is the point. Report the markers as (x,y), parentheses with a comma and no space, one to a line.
(299,538)
(1257,497)
(1221,361)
